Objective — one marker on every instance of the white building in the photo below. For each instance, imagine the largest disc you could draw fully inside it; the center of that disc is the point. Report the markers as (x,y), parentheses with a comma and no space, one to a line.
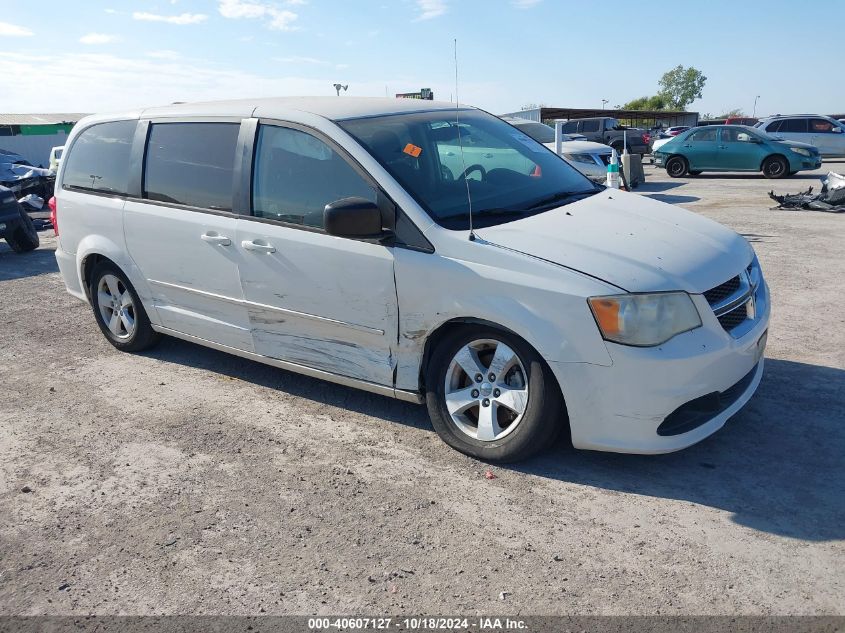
(34,135)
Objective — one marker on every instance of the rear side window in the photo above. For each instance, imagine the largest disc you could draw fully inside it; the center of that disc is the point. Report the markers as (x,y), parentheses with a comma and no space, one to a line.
(296,175)
(570,127)
(99,158)
(191,164)
(707,134)
(793,125)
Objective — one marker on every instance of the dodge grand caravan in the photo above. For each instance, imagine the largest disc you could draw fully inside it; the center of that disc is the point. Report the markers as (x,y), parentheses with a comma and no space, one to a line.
(351,240)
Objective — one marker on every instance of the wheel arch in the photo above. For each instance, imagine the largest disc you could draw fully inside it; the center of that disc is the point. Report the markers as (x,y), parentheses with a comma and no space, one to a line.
(775,155)
(457,323)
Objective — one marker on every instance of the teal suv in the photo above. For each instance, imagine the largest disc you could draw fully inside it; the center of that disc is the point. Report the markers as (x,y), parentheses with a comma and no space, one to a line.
(734,148)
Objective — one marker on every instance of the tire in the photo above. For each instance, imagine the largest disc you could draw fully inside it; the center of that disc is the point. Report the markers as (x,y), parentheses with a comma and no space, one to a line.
(24,238)
(528,384)
(775,167)
(677,167)
(129,328)
(695,173)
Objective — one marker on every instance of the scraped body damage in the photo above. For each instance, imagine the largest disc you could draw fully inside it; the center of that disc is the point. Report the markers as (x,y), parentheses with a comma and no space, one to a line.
(510,295)
(321,301)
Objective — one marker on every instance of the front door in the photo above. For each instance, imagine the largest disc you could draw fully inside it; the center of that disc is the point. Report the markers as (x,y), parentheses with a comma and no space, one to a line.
(828,141)
(740,150)
(181,235)
(314,299)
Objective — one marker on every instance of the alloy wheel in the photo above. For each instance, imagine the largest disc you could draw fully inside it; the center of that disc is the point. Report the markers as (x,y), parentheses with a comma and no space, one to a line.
(117,308)
(486,390)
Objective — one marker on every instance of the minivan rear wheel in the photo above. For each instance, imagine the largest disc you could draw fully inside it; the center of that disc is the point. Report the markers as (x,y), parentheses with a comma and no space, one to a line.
(118,310)
(491,396)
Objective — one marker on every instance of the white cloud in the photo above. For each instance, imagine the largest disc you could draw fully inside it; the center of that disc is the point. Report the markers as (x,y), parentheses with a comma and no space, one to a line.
(118,82)
(277,19)
(181,19)
(164,54)
(302,60)
(430,9)
(13,30)
(525,4)
(98,38)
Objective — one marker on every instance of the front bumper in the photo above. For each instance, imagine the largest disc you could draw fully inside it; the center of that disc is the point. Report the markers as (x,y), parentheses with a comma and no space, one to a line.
(620,407)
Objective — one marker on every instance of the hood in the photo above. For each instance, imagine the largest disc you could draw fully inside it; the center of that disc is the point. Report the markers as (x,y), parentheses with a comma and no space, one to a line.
(631,241)
(581,147)
(789,143)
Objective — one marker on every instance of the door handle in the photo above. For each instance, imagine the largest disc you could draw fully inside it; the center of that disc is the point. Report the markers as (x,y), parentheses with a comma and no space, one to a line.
(214,238)
(723,147)
(257,246)
(488,155)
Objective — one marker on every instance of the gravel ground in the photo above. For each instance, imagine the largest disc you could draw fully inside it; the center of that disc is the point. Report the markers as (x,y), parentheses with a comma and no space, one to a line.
(187,481)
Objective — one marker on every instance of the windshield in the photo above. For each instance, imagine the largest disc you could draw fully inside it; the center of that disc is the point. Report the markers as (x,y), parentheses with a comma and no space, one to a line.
(509,175)
(540,132)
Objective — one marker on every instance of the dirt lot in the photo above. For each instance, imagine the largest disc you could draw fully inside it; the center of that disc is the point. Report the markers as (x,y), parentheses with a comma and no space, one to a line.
(188,481)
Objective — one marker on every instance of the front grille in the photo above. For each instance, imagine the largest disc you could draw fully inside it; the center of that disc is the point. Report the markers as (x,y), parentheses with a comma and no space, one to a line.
(733,318)
(722,291)
(696,412)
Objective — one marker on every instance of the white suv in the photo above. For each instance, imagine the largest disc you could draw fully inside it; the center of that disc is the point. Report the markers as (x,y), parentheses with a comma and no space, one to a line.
(823,132)
(351,240)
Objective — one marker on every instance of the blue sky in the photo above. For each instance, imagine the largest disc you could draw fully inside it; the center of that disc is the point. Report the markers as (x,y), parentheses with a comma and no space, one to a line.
(112,54)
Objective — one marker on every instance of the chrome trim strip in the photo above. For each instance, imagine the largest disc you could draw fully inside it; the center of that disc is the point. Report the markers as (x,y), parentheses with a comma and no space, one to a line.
(732,303)
(263,306)
(365,385)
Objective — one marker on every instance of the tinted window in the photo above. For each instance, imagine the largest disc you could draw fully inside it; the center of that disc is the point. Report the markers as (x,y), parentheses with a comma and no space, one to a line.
(540,132)
(793,125)
(821,126)
(297,175)
(99,158)
(707,134)
(590,126)
(774,126)
(191,163)
(570,127)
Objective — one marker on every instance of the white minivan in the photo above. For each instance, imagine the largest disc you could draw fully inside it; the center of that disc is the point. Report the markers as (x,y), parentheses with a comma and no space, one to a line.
(335,237)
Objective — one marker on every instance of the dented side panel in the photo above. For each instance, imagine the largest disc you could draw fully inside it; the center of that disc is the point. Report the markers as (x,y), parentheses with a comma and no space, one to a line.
(321,301)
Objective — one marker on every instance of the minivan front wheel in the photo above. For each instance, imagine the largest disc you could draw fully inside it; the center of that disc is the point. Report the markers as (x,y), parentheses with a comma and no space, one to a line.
(491,396)
(775,167)
(118,310)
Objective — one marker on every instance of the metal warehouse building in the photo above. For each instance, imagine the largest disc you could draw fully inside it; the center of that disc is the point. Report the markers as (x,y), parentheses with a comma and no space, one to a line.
(634,118)
(34,135)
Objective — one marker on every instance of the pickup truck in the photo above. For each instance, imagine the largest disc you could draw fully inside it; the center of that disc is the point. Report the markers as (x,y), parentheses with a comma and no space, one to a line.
(607,130)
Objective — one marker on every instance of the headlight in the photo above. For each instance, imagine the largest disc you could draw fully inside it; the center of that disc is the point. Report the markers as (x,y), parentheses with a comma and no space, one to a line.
(801,150)
(644,320)
(581,158)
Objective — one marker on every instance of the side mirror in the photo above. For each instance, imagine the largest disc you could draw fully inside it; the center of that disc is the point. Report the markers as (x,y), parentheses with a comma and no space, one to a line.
(352,217)
(837,130)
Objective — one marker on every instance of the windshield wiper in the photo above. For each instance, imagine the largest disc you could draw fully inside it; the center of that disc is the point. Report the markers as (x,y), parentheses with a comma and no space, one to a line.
(486,213)
(558,197)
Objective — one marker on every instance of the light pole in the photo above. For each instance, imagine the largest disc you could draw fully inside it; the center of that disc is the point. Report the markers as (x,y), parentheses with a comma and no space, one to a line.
(603,101)
(754,112)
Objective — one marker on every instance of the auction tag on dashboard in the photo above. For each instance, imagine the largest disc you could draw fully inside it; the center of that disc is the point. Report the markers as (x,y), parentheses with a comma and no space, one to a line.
(412,150)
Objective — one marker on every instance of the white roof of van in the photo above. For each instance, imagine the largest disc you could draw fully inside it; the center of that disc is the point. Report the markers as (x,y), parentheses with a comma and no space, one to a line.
(333,108)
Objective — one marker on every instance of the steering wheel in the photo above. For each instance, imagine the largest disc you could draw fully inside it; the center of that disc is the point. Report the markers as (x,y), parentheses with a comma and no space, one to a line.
(472,168)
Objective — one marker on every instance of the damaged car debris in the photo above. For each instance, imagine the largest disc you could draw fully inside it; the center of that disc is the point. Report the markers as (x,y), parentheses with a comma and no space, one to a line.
(831,198)
(15,224)
(22,178)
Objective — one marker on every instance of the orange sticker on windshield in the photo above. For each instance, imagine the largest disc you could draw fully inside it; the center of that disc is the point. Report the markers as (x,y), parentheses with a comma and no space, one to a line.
(412,150)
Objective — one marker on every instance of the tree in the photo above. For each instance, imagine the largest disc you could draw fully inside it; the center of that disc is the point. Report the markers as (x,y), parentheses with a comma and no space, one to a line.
(533,106)
(736,112)
(681,86)
(656,102)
